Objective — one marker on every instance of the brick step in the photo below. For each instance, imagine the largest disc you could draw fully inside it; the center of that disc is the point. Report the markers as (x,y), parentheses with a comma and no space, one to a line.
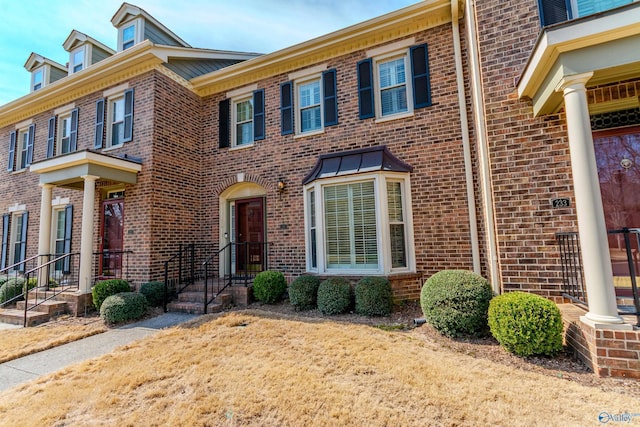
(194,307)
(199,287)
(52,307)
(16,317)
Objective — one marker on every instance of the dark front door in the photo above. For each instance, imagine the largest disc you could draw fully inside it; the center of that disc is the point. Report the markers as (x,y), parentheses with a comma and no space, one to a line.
(618,159)
(111,242)
(250,235)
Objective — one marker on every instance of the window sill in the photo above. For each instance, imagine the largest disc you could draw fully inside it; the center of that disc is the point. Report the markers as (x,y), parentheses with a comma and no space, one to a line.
(241,147)
(310,133)
(394,117)
(113,147)
(19,171)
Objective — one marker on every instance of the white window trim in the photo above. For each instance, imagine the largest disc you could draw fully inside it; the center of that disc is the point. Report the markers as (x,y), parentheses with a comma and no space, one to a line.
(54,227)
(19,166)
(45,76)
(59,124)
(297,119)
(246,96)
(389,56)
(86,56)
(13,235)
(138,32)
(109,123)
(382,224)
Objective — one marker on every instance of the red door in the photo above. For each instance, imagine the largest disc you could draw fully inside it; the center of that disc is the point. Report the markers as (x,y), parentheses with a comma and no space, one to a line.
(111,242)
(250,235)
(618,160)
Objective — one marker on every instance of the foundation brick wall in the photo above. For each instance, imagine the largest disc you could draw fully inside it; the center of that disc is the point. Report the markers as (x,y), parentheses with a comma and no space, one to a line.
(608,353)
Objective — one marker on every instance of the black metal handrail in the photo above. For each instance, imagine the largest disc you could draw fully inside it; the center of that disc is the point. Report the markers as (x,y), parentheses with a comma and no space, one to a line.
(51,281)
(117,266)
(16,272)
(572,271)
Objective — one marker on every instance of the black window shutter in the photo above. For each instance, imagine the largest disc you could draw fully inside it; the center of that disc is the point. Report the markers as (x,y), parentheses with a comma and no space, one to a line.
(365,88)
(12,150)
(51,137)
(128,115)
(286,108)
(330,97)
(31,134)
(258,115)
(420,75)
(554,11)
(224,115)
(68,228)
(23,240)
(99,133)
(5,240)
(73,135)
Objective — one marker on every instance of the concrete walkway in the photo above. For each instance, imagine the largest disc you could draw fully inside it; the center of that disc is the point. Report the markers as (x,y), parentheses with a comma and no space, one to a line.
(45,362)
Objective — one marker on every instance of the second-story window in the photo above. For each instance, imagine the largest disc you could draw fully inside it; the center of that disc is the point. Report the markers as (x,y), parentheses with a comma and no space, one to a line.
(21,148)
(309,106)
(243,120)
(392,79)
(118,109)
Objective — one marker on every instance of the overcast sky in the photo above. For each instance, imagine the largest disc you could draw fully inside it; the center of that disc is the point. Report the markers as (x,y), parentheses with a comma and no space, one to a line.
(264,26)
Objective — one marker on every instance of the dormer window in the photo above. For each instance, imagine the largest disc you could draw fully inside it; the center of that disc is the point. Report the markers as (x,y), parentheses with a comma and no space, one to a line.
(77,60)
(37,78)
(128,36)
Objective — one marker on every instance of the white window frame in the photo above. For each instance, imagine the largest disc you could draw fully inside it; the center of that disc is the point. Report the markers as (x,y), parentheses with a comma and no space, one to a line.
(315,78)
(234,120)
(55,213)
(72,59)
(63,119)
(22,142)
(383,59)
(138,32)
(382,224)
(14,236)
(112,102)
(42,72)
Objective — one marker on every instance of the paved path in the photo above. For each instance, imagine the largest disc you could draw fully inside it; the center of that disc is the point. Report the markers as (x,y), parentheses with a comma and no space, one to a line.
(45,362)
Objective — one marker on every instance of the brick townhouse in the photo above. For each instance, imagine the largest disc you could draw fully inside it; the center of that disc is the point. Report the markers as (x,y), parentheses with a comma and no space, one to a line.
(447,134)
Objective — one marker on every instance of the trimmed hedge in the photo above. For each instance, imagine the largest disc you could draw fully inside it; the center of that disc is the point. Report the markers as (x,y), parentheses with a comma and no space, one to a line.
(11,288)
(154,292)
(123,307)
(334,295)
(526,324)
(268,286)
(374,296)
(303,292)
(455,302)
(106,288)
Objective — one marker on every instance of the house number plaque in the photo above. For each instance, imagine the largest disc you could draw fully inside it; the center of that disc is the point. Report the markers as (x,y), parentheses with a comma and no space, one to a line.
(560,203)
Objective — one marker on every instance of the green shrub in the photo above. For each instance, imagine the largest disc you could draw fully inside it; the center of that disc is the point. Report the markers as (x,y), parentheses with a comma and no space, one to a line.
(3,279)
(373,296)
(154,292)
(303,292)
(106,288)
(32,282)
(268,286)
(334,295)
(11,288)
(122,307)
(455,302)
(526,324)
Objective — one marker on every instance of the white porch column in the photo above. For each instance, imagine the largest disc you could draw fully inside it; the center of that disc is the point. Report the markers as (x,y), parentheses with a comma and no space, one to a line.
(594,245)
(86,241)
(44,233)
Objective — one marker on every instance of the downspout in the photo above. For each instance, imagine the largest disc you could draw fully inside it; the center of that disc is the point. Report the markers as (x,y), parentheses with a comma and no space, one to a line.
(464,125)
(477,98)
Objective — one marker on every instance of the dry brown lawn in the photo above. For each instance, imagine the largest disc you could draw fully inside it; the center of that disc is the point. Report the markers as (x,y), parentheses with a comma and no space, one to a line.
(17,343)
(259,369)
